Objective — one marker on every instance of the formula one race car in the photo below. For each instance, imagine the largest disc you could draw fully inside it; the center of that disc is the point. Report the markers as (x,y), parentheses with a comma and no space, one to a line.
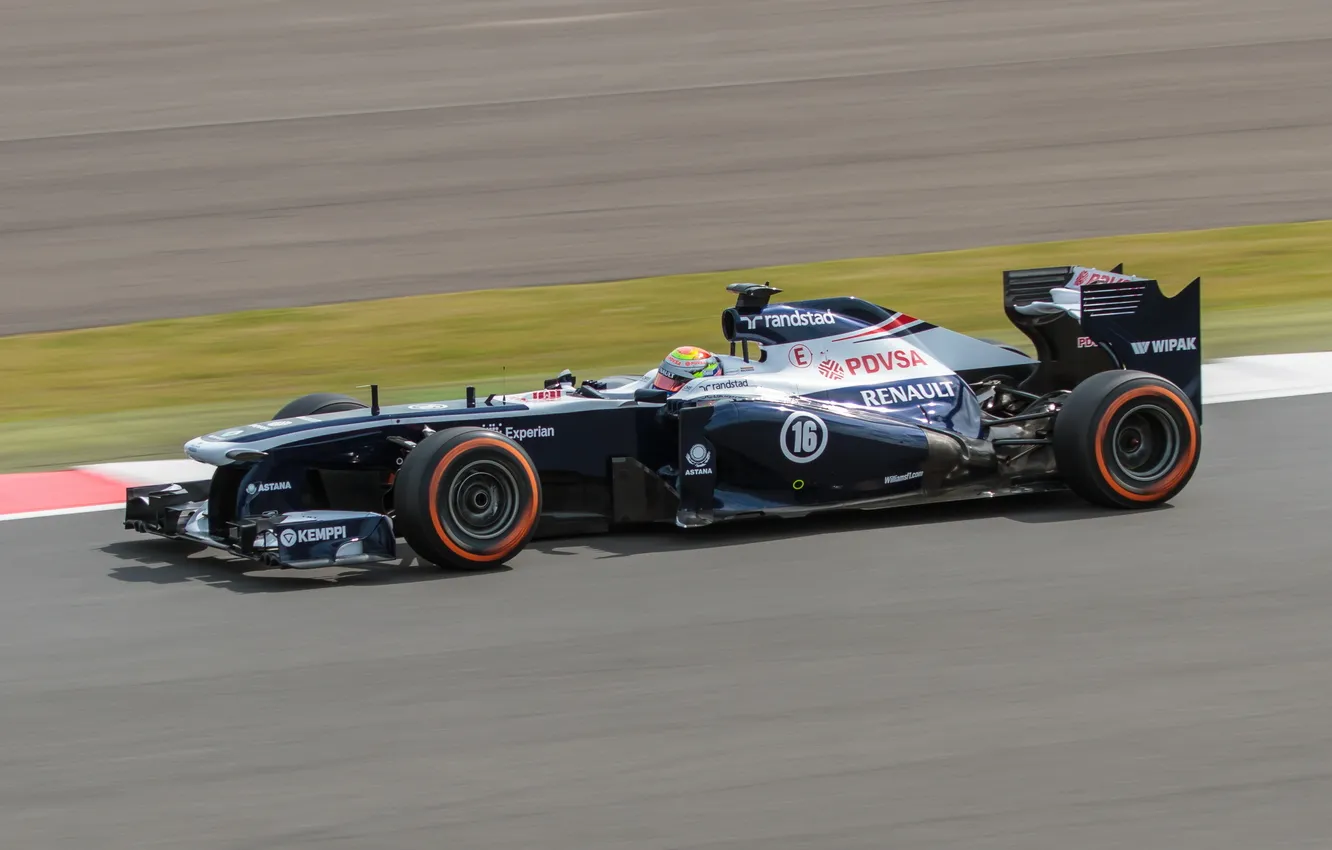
(830,404)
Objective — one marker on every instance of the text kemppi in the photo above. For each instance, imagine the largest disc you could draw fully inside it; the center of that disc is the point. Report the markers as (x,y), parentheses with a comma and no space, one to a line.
(885,361)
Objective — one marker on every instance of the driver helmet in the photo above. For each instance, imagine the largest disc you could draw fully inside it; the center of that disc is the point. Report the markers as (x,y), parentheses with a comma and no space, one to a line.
(685,364)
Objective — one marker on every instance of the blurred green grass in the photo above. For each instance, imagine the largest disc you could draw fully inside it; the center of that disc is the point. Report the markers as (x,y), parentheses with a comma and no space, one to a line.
(140,390)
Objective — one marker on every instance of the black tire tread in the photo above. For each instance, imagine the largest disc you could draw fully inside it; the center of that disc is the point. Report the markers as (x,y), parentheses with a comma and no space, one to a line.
(1007,346)
(412,519)
(1075,428)
(316,403)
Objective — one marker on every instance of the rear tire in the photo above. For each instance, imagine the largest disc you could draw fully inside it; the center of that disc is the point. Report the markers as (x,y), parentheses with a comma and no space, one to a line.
(1005,346)
(316,403)
(1127,439)
(467,498)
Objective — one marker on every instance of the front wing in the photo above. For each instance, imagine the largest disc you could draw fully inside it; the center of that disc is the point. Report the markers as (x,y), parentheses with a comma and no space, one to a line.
(295,540)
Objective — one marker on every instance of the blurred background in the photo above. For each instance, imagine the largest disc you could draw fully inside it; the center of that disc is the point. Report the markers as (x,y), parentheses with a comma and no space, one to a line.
(173,157)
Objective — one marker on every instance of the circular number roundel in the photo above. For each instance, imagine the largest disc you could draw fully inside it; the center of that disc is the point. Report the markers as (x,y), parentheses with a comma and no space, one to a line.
(804,437)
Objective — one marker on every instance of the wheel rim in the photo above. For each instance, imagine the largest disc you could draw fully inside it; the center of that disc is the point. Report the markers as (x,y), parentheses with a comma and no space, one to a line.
(483,499)
(1146,443)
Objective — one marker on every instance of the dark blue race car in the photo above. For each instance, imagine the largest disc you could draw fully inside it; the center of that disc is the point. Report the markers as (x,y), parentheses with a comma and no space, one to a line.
(820,405)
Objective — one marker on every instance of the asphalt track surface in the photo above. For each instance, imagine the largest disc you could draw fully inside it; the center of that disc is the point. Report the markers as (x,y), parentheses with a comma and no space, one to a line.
(1025,674)
(168,157)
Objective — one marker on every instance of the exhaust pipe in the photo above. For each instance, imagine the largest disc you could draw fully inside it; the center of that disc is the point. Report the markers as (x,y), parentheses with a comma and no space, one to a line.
(952,456)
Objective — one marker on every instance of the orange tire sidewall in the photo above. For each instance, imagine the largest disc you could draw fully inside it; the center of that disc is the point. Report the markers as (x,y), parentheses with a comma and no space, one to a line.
(528,519)
(1181,467)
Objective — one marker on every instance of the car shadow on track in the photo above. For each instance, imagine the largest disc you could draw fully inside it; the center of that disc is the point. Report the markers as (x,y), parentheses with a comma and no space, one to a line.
(1037,509)
(158,561)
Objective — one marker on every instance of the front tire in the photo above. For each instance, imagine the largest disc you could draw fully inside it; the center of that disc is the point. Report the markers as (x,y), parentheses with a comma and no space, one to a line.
(467,498)
(1127,439)
(316,403)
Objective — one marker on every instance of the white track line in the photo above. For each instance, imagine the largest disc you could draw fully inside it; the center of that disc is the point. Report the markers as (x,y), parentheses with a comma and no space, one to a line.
(141,472)
(87,509)
(1267,376)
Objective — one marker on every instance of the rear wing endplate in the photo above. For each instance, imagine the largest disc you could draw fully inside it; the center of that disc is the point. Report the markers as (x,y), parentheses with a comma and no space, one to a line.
(1120,322)
(1148,331)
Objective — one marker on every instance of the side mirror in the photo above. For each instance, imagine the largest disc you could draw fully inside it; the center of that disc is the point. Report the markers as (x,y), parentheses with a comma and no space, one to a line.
(652,395)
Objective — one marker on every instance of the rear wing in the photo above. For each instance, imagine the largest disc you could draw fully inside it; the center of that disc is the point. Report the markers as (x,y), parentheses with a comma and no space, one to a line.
(1083,321)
